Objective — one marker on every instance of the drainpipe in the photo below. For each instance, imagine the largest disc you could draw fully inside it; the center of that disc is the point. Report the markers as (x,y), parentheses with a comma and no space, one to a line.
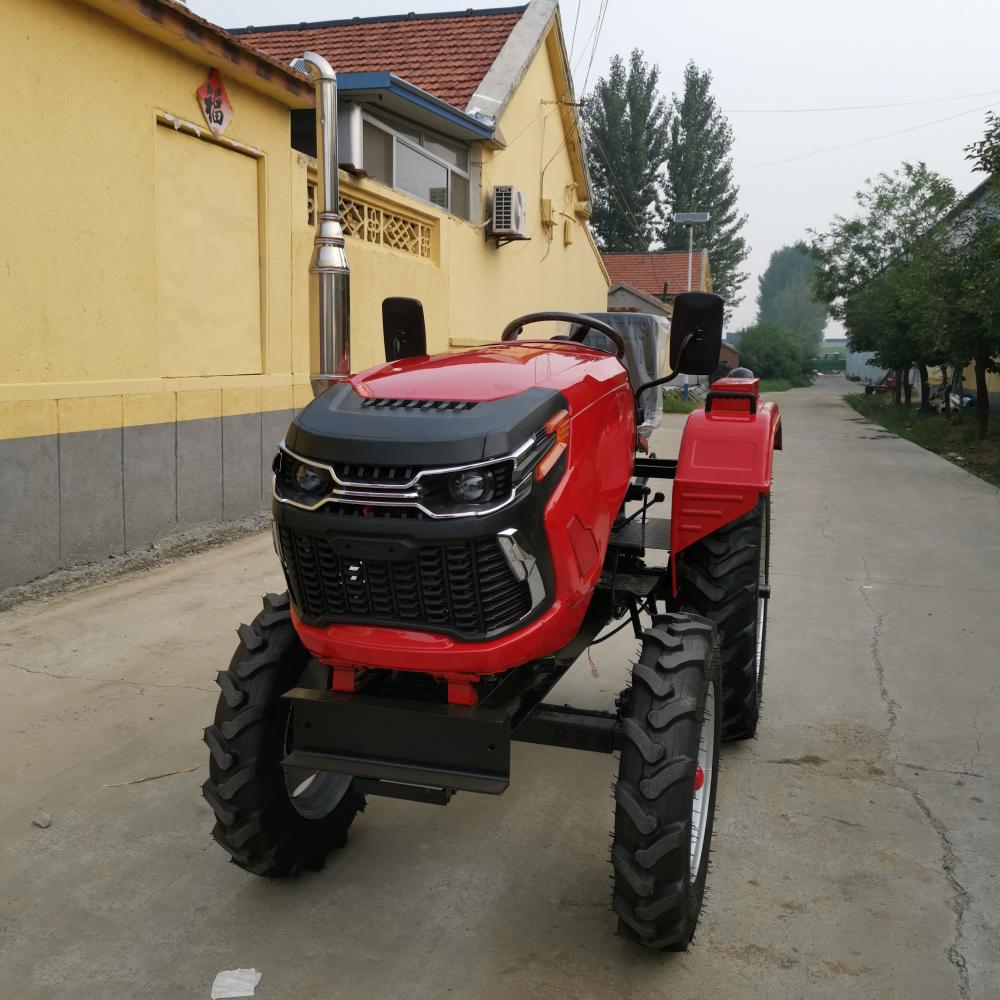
(329,275)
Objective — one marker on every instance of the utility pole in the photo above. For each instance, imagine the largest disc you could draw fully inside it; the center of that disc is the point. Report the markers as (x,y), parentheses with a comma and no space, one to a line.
(690,219)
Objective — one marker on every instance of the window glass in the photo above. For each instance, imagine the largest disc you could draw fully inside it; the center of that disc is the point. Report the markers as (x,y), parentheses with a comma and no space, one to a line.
(377,154)
(454,155)
(460,195)
(421,176)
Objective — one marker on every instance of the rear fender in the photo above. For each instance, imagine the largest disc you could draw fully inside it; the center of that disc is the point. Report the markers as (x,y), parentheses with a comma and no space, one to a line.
(723,467)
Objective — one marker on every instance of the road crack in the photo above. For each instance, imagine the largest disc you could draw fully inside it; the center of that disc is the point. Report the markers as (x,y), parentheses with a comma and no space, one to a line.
(961,899)
(107,680)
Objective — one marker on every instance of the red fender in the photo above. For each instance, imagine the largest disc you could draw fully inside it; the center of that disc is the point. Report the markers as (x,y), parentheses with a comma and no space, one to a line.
(724,464)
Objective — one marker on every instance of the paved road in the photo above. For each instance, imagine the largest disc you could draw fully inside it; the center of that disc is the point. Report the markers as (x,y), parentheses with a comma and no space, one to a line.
(856,850)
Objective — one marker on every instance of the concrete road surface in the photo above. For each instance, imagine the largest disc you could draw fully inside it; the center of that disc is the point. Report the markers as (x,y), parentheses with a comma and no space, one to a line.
(857,844)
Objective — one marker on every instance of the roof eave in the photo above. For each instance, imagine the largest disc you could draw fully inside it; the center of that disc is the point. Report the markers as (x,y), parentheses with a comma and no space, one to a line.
(538,25)
(174,26)
(406,99)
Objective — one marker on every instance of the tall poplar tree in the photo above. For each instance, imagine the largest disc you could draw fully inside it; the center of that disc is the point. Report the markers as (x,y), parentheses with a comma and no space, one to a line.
(699,178)
(787,295)
(626,127)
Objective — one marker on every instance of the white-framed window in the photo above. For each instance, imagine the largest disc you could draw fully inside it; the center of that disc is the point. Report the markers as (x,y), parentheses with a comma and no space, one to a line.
(421,163)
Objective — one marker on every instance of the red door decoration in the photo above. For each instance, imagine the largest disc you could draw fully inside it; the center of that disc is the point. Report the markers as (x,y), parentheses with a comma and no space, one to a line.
(215,104)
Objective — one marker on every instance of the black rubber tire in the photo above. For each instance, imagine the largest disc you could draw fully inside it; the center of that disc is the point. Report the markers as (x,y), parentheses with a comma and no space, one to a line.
(255,819)
(723,578)
(656,899)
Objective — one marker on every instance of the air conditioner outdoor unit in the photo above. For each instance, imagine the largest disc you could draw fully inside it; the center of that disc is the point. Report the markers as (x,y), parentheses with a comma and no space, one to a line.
(509,221)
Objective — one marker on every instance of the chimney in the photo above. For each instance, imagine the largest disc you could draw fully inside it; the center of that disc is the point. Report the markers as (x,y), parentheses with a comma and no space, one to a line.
(329,275)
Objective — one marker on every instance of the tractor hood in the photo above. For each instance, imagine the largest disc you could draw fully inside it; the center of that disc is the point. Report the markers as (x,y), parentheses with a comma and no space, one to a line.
(341,425)
(482,374)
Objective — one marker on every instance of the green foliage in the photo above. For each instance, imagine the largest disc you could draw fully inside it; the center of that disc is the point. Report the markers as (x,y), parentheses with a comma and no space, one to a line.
(894,210)
(674,402)
(787,296)
(953,440)
(699,178)
(985,154)
(771,351)
(626,127)
(769,386)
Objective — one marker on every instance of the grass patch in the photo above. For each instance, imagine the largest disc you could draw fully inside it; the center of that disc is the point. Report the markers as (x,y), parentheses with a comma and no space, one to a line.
(674,402)
(771,385)
(948,438)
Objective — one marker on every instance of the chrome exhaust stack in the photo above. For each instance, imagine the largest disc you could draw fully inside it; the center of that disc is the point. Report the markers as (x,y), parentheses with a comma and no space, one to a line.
(329,275)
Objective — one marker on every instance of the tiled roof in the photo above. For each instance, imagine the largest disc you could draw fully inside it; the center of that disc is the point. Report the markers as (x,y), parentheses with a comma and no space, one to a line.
(648,271)
(445,54)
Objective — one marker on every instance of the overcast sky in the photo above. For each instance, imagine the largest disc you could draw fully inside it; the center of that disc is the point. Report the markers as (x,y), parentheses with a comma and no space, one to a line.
(779,54)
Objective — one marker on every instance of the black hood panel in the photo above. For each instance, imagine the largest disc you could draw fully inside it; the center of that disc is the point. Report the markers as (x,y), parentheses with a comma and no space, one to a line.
(342,426)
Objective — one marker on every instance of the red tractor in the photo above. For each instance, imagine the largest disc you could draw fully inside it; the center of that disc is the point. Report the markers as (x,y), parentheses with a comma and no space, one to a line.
(455,532)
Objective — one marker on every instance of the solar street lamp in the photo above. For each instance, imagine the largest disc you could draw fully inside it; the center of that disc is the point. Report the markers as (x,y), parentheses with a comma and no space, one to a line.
(690,219)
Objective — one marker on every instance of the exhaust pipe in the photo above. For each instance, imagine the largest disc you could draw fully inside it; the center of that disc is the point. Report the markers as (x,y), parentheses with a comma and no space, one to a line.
(329,275)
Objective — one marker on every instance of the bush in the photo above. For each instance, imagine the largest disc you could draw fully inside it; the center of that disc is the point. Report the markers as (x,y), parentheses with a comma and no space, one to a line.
(770,350)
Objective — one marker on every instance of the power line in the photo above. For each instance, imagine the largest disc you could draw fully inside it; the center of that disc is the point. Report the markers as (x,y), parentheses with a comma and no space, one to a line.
(597,38)
(576,21)
(855,107)
(874,138)
(615,188)
(590,35)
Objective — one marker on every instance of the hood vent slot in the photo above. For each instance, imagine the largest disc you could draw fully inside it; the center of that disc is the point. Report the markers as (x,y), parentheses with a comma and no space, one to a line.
(420,405)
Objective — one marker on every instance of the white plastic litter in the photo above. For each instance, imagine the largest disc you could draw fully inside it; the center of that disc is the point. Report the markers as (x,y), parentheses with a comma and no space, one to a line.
(235,983)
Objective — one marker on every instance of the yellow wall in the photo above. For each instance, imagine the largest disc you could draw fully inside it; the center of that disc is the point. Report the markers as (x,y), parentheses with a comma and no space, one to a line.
(108,213)
(127,250)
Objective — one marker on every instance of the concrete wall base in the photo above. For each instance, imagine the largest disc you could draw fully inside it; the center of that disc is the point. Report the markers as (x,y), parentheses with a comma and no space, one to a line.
(85,497)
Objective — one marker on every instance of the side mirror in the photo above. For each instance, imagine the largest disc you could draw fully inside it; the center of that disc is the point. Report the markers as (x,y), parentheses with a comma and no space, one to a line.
(698,315)
(403,329)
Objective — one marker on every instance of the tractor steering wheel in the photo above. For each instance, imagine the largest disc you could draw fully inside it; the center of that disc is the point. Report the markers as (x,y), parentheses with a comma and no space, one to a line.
(513,329)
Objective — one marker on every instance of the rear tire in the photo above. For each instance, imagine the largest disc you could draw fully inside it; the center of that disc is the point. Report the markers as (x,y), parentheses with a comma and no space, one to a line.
(272,821)
(725,578)
(663,820)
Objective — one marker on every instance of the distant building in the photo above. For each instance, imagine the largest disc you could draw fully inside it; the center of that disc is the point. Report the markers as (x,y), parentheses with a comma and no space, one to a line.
(658,275)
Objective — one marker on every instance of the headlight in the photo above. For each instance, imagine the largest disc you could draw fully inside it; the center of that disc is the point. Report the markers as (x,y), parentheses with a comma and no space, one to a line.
(472,486)
(309,479)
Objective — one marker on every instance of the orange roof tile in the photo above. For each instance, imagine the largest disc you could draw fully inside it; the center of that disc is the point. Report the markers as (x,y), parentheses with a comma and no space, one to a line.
(648,272)
(446,54)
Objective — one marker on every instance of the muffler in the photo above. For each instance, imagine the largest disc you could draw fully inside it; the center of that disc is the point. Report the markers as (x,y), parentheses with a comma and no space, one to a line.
(329,275)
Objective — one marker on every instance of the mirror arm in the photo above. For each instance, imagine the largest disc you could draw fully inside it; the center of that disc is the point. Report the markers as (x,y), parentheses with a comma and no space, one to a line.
(670,375)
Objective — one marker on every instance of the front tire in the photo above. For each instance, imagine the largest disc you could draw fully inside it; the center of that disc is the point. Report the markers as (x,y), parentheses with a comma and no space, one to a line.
(273,821)
(667,779)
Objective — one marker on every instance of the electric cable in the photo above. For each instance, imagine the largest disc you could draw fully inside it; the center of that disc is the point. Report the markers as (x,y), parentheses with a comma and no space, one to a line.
(576,21)
(874,138)
(855,107)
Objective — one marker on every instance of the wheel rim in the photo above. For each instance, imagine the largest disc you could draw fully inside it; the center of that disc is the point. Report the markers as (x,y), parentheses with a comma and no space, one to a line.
(763,590)
(313,794)
(704,778)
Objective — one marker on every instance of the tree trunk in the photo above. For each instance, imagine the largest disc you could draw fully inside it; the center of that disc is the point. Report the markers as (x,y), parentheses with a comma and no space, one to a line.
(907,388)
(925,388)
(946,386)
(982,397)
(897,389)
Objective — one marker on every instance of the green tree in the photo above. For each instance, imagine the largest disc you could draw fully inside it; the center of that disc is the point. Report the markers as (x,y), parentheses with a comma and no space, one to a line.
(699,178)
(770,350)
(626,127)
(866,272)
(985,154)
(894,211)
(786,295)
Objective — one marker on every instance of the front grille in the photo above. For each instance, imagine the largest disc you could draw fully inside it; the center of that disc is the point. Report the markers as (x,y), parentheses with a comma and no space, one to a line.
(465,588)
